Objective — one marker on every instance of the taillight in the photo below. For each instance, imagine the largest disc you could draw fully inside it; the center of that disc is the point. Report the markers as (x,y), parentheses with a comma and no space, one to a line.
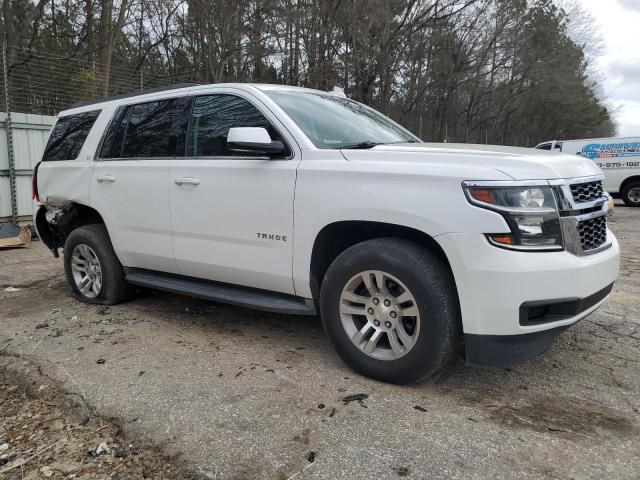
(34,184)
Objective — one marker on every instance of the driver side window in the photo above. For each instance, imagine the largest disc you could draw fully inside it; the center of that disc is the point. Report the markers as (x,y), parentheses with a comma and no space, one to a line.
(212,117)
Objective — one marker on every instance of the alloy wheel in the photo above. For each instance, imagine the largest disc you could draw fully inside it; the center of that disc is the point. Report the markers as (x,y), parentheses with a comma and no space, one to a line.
(380,315)
(86,269)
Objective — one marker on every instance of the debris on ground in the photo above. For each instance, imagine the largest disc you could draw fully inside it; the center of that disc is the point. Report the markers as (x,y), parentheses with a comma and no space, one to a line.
(402,471)
(311,457)
(11,289)
(358,397)
(14,236)
(420,409)
(39,439)
(103,448)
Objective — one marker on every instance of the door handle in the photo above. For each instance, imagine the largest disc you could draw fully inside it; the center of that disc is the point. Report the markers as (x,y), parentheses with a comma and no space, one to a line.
(106,178)
(187,181)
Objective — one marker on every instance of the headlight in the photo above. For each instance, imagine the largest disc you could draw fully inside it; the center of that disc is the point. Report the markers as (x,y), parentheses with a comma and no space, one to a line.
(530,211)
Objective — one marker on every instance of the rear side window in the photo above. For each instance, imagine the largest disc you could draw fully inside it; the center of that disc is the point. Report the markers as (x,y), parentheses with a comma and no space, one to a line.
(142,131)
(213,116)
(68,136)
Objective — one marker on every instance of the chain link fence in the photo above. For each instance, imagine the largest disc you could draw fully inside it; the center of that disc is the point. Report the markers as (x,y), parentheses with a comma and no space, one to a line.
(44,84)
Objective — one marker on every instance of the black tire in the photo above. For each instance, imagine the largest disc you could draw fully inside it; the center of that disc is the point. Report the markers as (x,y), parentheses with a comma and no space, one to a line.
(114,287)
(433,287)
(629,194)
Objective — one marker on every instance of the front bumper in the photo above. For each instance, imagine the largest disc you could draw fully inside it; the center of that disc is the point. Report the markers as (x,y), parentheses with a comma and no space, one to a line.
(505,350)
(494,285)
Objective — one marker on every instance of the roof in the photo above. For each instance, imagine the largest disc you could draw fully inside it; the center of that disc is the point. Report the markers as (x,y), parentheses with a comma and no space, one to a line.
(135,93)
(178,86)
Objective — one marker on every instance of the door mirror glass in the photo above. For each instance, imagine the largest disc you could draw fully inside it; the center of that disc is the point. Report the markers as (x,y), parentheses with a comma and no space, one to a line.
(253,140)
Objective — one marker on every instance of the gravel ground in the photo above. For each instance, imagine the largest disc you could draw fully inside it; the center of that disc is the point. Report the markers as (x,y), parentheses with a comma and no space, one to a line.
(230,393)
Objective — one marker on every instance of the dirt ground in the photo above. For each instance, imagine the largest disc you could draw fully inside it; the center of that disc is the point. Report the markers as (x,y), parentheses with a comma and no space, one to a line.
(47,434)
(220,392)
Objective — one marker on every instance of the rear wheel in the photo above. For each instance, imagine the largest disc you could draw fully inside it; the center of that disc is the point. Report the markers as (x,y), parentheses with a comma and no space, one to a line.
(631,194)
(390,309)
(92,267)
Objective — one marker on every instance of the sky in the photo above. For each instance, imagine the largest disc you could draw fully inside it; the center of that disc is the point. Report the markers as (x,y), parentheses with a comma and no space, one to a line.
(618,66)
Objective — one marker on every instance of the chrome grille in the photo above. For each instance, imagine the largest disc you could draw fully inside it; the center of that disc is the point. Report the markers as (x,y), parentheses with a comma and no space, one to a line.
(586,192)
(593,233)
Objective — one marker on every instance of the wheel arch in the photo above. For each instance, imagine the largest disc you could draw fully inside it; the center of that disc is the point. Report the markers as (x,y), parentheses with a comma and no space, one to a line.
(628,180)
(65,220)
(336,237)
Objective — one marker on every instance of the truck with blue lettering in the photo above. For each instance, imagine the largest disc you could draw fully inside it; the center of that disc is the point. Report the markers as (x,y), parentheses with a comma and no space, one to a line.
(618,158)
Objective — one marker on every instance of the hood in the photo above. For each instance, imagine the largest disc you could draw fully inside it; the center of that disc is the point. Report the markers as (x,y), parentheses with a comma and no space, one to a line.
(494,161)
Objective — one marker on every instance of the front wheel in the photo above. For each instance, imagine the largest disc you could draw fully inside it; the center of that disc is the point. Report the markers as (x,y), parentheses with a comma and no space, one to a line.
(390,309)
(631,194)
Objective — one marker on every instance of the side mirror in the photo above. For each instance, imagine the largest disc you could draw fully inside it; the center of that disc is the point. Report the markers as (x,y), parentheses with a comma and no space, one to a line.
(253,140)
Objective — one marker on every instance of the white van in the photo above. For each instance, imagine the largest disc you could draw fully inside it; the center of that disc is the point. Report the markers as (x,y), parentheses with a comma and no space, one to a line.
(619,159)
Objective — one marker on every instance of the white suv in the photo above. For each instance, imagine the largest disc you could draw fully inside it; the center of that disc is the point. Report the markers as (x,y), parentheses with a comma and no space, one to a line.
(300,201)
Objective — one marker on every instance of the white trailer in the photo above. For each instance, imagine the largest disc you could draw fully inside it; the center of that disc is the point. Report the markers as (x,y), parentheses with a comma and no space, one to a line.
(618,158)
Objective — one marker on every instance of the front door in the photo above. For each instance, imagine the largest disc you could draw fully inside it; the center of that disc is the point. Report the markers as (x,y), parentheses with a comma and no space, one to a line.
(232,214)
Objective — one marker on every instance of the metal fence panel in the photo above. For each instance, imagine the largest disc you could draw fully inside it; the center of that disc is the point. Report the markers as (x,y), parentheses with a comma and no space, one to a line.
(30,132)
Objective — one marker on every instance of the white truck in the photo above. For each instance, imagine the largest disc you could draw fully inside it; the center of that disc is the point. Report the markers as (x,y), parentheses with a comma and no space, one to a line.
(619,159)
(300,201)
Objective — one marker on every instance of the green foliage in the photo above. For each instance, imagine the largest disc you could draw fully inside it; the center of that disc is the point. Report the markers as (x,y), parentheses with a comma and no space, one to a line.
(85,84)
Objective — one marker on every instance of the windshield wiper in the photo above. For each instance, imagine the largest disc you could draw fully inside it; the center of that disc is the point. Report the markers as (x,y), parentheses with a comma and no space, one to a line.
(369,144)
(361,145)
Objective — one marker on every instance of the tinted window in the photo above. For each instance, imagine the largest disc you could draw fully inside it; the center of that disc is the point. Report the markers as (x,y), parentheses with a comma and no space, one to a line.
(68,136)
(544,146)
(149,131)
(213,116)
(143,130)
(112,145)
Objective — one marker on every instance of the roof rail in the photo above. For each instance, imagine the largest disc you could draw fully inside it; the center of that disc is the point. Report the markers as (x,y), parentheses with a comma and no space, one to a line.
(135,93)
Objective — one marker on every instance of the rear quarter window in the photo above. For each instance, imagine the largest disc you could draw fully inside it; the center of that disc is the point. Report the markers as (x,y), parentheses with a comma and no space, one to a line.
(68,136)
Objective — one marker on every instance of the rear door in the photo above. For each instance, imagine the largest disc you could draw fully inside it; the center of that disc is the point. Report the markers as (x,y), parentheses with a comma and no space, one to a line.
(232,214)
(131,178)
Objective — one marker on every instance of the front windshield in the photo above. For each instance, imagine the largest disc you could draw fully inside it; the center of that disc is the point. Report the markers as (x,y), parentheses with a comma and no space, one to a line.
(336,122)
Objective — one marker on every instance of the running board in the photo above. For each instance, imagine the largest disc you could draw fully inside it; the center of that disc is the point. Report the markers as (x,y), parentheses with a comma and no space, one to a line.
(221,292)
